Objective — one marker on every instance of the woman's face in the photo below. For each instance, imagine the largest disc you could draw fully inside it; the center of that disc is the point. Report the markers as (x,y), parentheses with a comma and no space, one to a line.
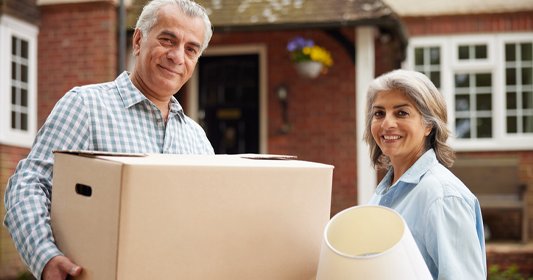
(397,127)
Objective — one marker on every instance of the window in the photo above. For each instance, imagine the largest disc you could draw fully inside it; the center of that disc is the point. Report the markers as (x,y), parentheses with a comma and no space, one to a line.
(519,88)
(18,59)
(427,61)
(487,82)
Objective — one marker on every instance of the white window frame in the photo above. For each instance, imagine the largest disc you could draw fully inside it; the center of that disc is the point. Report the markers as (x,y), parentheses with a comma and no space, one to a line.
(494,64)
(9,27)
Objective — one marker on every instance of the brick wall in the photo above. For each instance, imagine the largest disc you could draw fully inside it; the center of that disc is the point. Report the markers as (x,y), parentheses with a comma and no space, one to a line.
(10,263)
(458,24)
(321,111)
(77,46)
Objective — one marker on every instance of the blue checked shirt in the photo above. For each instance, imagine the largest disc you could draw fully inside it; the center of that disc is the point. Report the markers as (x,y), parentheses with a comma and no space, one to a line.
(443,216)
(112,117)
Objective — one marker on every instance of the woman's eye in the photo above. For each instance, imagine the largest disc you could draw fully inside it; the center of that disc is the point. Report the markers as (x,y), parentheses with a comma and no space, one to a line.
(378,113)
(403,113)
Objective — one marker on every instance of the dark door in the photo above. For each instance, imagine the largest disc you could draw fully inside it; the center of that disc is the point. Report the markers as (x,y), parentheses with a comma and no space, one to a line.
(229,102)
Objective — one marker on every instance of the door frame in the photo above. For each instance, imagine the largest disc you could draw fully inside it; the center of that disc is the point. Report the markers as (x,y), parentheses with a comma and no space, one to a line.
(227,50)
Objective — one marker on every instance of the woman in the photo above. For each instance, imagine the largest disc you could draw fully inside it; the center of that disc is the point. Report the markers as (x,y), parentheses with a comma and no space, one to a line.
(406,130)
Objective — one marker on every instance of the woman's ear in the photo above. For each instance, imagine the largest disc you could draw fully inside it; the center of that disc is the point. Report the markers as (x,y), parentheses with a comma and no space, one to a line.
(428,129)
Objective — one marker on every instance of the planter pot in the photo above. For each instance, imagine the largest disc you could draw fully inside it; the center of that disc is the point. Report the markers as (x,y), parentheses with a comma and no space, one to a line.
(309,69)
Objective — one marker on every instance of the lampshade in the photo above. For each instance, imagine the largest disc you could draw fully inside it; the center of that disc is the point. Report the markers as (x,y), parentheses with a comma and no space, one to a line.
(370,242)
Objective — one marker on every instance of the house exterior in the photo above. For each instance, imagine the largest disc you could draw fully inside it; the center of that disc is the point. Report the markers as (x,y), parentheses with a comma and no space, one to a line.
(49,46)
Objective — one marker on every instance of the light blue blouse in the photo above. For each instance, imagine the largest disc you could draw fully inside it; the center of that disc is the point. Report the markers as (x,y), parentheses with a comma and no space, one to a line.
(443,216)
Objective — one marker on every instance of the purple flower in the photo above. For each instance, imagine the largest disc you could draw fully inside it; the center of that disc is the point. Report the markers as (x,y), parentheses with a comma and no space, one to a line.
(298,43)
(291,46)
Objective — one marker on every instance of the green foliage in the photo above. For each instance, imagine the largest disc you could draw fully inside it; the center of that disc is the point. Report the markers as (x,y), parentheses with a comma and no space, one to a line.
(510,273)
(25,275)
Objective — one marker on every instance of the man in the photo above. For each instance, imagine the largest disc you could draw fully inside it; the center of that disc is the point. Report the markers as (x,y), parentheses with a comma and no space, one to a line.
(135,113)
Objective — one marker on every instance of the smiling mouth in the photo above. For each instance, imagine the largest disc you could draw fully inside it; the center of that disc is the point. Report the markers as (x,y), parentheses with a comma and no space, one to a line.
(169,70)
(387,137)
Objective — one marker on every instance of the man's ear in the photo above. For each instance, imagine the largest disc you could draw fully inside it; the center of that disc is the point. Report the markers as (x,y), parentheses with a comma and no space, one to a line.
(137,40)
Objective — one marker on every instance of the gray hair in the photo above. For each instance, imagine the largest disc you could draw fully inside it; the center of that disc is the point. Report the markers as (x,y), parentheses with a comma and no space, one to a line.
(148,17)
(428,101)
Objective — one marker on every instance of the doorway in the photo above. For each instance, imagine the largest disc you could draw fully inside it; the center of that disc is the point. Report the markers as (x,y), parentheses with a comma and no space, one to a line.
(228,102)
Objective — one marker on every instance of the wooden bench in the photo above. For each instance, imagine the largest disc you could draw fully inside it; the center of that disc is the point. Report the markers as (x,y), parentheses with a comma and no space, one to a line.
(496,184)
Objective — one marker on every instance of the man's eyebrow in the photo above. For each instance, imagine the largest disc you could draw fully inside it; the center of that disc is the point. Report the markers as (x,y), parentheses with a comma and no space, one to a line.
(171,34)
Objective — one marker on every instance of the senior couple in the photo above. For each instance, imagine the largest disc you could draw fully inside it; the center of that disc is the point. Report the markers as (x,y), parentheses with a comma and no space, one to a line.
(405,128)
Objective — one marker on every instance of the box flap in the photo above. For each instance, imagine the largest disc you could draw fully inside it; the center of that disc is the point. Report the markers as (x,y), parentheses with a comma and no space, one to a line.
(98,153)
(263,156)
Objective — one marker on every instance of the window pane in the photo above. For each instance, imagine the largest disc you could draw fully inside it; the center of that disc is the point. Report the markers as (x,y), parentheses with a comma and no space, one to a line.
(462,127)
(13,70)
(462,80)
(462,102)
(13,120)
(527,100)
(463,52)
(526,52)
(24,73)
(527,123)
(434,56)
(481,51)
(23,121)
(13,46)
(510,76)
(23,98)
(419,56)
(512,125)
(24,49)
(527,76)
(435,78)
(14,95)
(510,52)
(483,102)
(484,127)
(511,100)
(483,80)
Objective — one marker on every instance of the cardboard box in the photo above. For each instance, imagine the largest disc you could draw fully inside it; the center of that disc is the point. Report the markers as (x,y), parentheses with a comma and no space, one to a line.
(126,217)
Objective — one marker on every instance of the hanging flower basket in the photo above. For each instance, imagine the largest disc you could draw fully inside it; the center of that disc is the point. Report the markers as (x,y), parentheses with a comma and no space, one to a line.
(309,59)
(309,69)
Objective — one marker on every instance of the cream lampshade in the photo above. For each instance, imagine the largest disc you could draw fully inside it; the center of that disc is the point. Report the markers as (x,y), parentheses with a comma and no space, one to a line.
(370,242)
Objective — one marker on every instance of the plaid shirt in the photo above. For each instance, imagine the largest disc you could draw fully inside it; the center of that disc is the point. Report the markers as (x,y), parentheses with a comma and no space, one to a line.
(112,117)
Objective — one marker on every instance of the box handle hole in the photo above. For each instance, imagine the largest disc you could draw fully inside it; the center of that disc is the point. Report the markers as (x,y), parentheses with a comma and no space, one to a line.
(84,190)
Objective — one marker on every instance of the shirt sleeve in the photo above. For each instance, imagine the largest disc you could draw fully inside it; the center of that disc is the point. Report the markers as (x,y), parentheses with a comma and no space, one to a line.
(29,191)
(452,240)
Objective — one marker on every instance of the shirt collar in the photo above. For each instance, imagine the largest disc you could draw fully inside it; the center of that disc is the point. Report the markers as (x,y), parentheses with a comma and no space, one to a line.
(131,95)
(413,174)
(128,92)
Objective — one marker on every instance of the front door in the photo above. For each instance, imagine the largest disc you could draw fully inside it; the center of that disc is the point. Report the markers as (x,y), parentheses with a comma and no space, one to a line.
(229,102)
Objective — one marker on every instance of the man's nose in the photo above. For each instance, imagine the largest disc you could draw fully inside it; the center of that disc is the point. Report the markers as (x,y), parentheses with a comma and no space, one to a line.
(177,55)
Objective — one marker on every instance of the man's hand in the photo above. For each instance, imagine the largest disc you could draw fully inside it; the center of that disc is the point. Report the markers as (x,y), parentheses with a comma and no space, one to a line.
(59,267)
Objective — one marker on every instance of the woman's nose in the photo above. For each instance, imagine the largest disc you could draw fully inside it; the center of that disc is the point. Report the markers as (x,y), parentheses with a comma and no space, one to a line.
(388,122)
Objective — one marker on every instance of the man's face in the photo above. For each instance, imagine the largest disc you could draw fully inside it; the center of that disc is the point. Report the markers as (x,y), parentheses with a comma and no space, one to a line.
(167,56)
